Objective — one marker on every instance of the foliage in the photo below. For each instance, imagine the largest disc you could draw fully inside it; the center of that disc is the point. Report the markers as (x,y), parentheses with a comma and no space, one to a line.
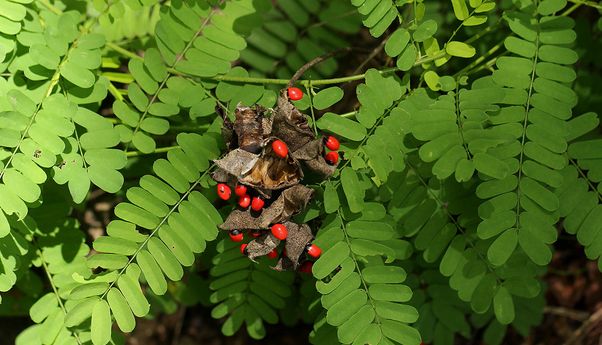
(466,152)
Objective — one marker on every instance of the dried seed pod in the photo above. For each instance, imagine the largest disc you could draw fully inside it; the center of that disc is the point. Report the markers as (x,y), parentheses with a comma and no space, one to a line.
(289,203)
(248,128)
(261,246)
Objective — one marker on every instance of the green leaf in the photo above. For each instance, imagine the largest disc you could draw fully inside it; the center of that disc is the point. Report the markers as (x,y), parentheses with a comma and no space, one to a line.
(166,260)
(133,294)
(152,272)
(109,244)
(502,248)
(136,215)
(397,42)
(425,30)
(88,290)
(370,230)
(346,307)
(400,332)
(460,9)
(384,274)
(40,310)
(331,198)
(81,312)
(548,7)
(121,311)
(327,97)
(350,330)
(460,49)
(390,292)
(503,306)
(101,323)
(330,260)
(396,311)
(341,126)
(77,75)
(490,165)
(354,191)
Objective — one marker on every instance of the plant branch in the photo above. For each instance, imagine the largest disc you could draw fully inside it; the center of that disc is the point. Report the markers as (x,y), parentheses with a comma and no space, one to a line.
(314,62)
(50,6)
(157,150)
(587,3)
(252,80)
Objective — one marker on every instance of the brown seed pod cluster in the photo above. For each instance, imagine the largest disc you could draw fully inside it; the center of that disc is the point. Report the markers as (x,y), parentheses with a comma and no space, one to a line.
(269,153)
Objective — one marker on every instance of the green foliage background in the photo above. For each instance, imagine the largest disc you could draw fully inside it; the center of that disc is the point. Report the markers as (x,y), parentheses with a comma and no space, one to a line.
(464,153)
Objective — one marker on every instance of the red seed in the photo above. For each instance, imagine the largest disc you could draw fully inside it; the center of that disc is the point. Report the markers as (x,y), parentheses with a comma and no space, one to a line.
(240,190)
(314,251)
(256,233)
(243,248)
(306,267)
(280,149)
(244,201)
(279,231)
(332,157)
(332,143)
(223,191)
(257,204)
(295,93)
(273,254)
(236,235)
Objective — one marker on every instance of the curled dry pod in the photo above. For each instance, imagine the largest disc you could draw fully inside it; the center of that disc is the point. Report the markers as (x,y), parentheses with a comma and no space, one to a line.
(223,191)
(248,128)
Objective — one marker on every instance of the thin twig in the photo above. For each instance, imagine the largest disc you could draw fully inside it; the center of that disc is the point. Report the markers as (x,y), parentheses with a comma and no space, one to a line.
(314,62)
(568,313)
(372,55)
(579,334)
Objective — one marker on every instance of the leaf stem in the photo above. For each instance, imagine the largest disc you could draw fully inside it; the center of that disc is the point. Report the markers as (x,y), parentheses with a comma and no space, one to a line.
(50,7)
(304,82)
(54,289)
(157,150)
(587,3)
(154,232)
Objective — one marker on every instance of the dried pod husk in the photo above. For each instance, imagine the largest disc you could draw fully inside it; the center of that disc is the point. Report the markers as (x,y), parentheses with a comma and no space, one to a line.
(263,172)
(249,128)
(222,176)
(311,156)
(290,202)
(261,246)
(289,123)
(284,264)
(237,162)
(272,172)
(299,235)
(229,135)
